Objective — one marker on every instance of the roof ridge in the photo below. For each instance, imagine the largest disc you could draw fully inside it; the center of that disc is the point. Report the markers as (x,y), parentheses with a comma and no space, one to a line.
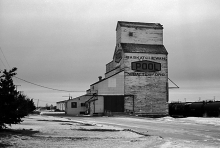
(139,24)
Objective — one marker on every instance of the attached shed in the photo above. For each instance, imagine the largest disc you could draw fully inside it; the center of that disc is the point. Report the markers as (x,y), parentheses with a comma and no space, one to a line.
(61,105)
(77,106)
(108,94)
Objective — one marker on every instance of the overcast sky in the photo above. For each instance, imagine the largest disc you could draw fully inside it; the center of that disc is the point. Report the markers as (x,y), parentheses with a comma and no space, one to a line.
(65,44)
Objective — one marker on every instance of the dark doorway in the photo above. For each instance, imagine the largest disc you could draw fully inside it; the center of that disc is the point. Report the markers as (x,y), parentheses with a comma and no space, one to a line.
(114,103)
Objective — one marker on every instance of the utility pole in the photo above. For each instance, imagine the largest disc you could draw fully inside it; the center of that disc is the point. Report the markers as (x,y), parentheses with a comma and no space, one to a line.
(17,86)
(20,92)
(37,103)
(70,97)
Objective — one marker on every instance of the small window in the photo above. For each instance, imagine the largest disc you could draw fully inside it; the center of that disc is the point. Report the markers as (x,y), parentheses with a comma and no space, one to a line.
(83,104)
(73,104)
(130,34)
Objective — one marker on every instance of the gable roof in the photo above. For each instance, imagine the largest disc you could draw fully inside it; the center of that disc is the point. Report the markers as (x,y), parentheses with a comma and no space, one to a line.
(143,48)
(139,25)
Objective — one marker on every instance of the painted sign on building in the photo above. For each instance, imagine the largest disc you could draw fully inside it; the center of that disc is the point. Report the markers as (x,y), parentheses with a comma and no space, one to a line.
(145,66)
(137,65)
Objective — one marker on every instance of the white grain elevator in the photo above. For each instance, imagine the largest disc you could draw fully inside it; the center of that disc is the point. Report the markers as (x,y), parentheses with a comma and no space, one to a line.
(140,53)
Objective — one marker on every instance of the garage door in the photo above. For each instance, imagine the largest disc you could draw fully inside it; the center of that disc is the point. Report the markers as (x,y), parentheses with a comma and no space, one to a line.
(114,103)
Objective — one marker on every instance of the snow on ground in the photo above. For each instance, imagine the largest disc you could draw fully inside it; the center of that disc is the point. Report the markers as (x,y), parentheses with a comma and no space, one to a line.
(193,120)
(188,120)
(49,131)
(210,121)
(51,113)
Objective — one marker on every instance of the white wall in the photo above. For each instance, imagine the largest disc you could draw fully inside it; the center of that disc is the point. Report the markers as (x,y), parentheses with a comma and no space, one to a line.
(79,100)
(97,106)
(110,86)
(140,35)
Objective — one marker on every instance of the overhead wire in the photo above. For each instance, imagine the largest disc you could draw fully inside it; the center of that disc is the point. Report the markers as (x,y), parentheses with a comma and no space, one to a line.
(3,63)
(32,82)
(5,58)
(45,86)
(44,101)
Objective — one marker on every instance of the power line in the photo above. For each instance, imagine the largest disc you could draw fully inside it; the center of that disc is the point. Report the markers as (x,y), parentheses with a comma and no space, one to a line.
(44,101)
(46,86)
(32,82)
(3,63)
(5,58)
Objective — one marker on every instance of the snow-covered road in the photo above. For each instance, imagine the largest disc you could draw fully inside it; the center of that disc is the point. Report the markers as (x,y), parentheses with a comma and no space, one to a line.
(98,132)
(205,131)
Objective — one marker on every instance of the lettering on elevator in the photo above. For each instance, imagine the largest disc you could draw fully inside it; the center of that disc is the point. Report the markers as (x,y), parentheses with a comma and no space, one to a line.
(145,66)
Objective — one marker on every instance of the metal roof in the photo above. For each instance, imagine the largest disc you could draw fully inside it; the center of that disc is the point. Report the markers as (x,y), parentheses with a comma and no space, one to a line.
(139,25)
(143,48)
